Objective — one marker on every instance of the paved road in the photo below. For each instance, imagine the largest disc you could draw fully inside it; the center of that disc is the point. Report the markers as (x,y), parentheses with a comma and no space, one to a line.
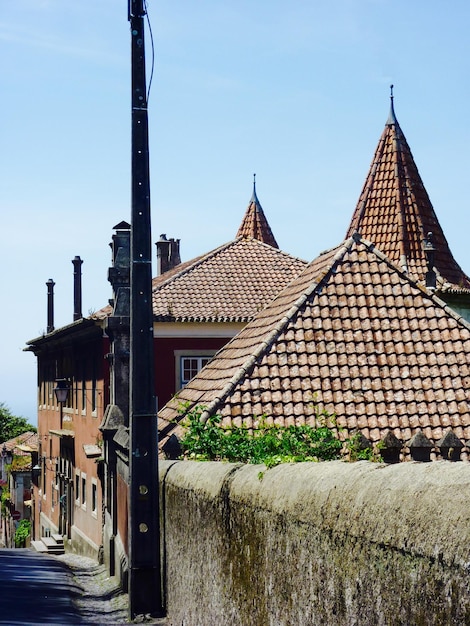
(36,589)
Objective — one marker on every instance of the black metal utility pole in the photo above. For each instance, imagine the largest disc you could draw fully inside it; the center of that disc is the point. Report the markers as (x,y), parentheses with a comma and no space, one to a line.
(145,594)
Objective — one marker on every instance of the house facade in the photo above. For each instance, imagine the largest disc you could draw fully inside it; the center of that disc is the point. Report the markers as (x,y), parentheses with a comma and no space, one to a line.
(67,497)
(198,306)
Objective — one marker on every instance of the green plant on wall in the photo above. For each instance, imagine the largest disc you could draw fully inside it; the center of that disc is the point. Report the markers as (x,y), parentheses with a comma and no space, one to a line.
(23,531)
(269,444)
(359,450)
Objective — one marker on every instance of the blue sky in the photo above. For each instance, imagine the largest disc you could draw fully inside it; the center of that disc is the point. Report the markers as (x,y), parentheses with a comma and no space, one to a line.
(297,92)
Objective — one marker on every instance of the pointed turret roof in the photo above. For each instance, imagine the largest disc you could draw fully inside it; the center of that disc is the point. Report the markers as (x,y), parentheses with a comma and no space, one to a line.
(395,213)
(254,223)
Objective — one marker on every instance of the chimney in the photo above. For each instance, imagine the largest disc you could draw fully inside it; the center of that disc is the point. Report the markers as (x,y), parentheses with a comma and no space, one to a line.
(163,255)
(168,254)
(50,305)
(77,288)
(175,258)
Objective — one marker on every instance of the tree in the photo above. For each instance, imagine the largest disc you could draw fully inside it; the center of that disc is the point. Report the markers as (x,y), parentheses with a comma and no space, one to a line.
(12,425)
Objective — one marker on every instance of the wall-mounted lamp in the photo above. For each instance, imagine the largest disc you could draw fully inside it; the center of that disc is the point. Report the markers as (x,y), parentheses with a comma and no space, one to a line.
(61,390)
(7,455)
(36,474)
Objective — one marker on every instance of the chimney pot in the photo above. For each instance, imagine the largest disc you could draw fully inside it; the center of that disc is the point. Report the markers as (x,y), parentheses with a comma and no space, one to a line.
(50,305)
(77,288)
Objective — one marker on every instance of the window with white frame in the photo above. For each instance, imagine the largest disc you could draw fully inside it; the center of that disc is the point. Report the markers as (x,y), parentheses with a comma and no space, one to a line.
(190,366)
(188,363)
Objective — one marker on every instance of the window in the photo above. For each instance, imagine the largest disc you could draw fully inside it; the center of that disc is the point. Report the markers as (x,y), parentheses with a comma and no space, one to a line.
(190,366)
(83,491)
(77,488)
(94,391)
(76,394)
(44,480)
(83,388)
(188,363)
(94,498)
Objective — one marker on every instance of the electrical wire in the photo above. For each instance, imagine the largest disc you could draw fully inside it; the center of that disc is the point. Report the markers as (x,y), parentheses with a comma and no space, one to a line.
(152,46)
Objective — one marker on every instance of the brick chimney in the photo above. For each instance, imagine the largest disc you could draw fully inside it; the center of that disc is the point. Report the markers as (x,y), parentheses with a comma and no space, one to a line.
(168,254)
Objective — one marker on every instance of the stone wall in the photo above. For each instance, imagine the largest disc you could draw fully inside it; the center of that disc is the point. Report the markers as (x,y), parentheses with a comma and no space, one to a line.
(316,543)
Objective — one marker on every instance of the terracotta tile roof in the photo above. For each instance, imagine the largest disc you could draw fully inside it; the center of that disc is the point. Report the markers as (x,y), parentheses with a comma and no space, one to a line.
(395,213)
(255,224)
(353,335)
(28,441)
(229,284)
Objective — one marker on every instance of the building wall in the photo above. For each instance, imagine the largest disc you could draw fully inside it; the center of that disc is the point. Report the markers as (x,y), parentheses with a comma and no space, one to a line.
(168,350)
(65,468)
(316,543)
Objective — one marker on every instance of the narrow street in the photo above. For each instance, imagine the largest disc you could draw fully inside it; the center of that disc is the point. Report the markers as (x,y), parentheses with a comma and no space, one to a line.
(66,589)
(36,589)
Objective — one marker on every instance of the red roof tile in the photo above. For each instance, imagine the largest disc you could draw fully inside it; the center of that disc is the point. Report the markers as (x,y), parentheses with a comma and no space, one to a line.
(229,284)
(351,335)
(28,442)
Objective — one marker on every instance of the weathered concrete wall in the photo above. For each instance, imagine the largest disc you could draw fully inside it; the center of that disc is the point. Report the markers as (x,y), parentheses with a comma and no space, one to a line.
(317,543)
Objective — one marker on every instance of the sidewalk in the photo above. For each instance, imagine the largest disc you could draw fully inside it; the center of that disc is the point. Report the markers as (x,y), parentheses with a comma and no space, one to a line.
(101,600)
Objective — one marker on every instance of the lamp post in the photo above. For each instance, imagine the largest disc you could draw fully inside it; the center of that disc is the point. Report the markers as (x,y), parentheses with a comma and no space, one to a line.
(61,391)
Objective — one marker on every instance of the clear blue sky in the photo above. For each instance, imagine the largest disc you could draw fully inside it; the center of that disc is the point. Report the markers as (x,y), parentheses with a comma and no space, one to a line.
(297,92)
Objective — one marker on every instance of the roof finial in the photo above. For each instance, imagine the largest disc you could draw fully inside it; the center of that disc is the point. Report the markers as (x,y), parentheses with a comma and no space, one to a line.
(392,117)
(254,197)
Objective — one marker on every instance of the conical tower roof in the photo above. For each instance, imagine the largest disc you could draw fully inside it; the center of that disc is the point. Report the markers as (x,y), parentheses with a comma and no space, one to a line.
(255,224)
(395,213)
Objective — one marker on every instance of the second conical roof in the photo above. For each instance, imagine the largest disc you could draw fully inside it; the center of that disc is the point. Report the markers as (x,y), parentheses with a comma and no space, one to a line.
(395,213)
